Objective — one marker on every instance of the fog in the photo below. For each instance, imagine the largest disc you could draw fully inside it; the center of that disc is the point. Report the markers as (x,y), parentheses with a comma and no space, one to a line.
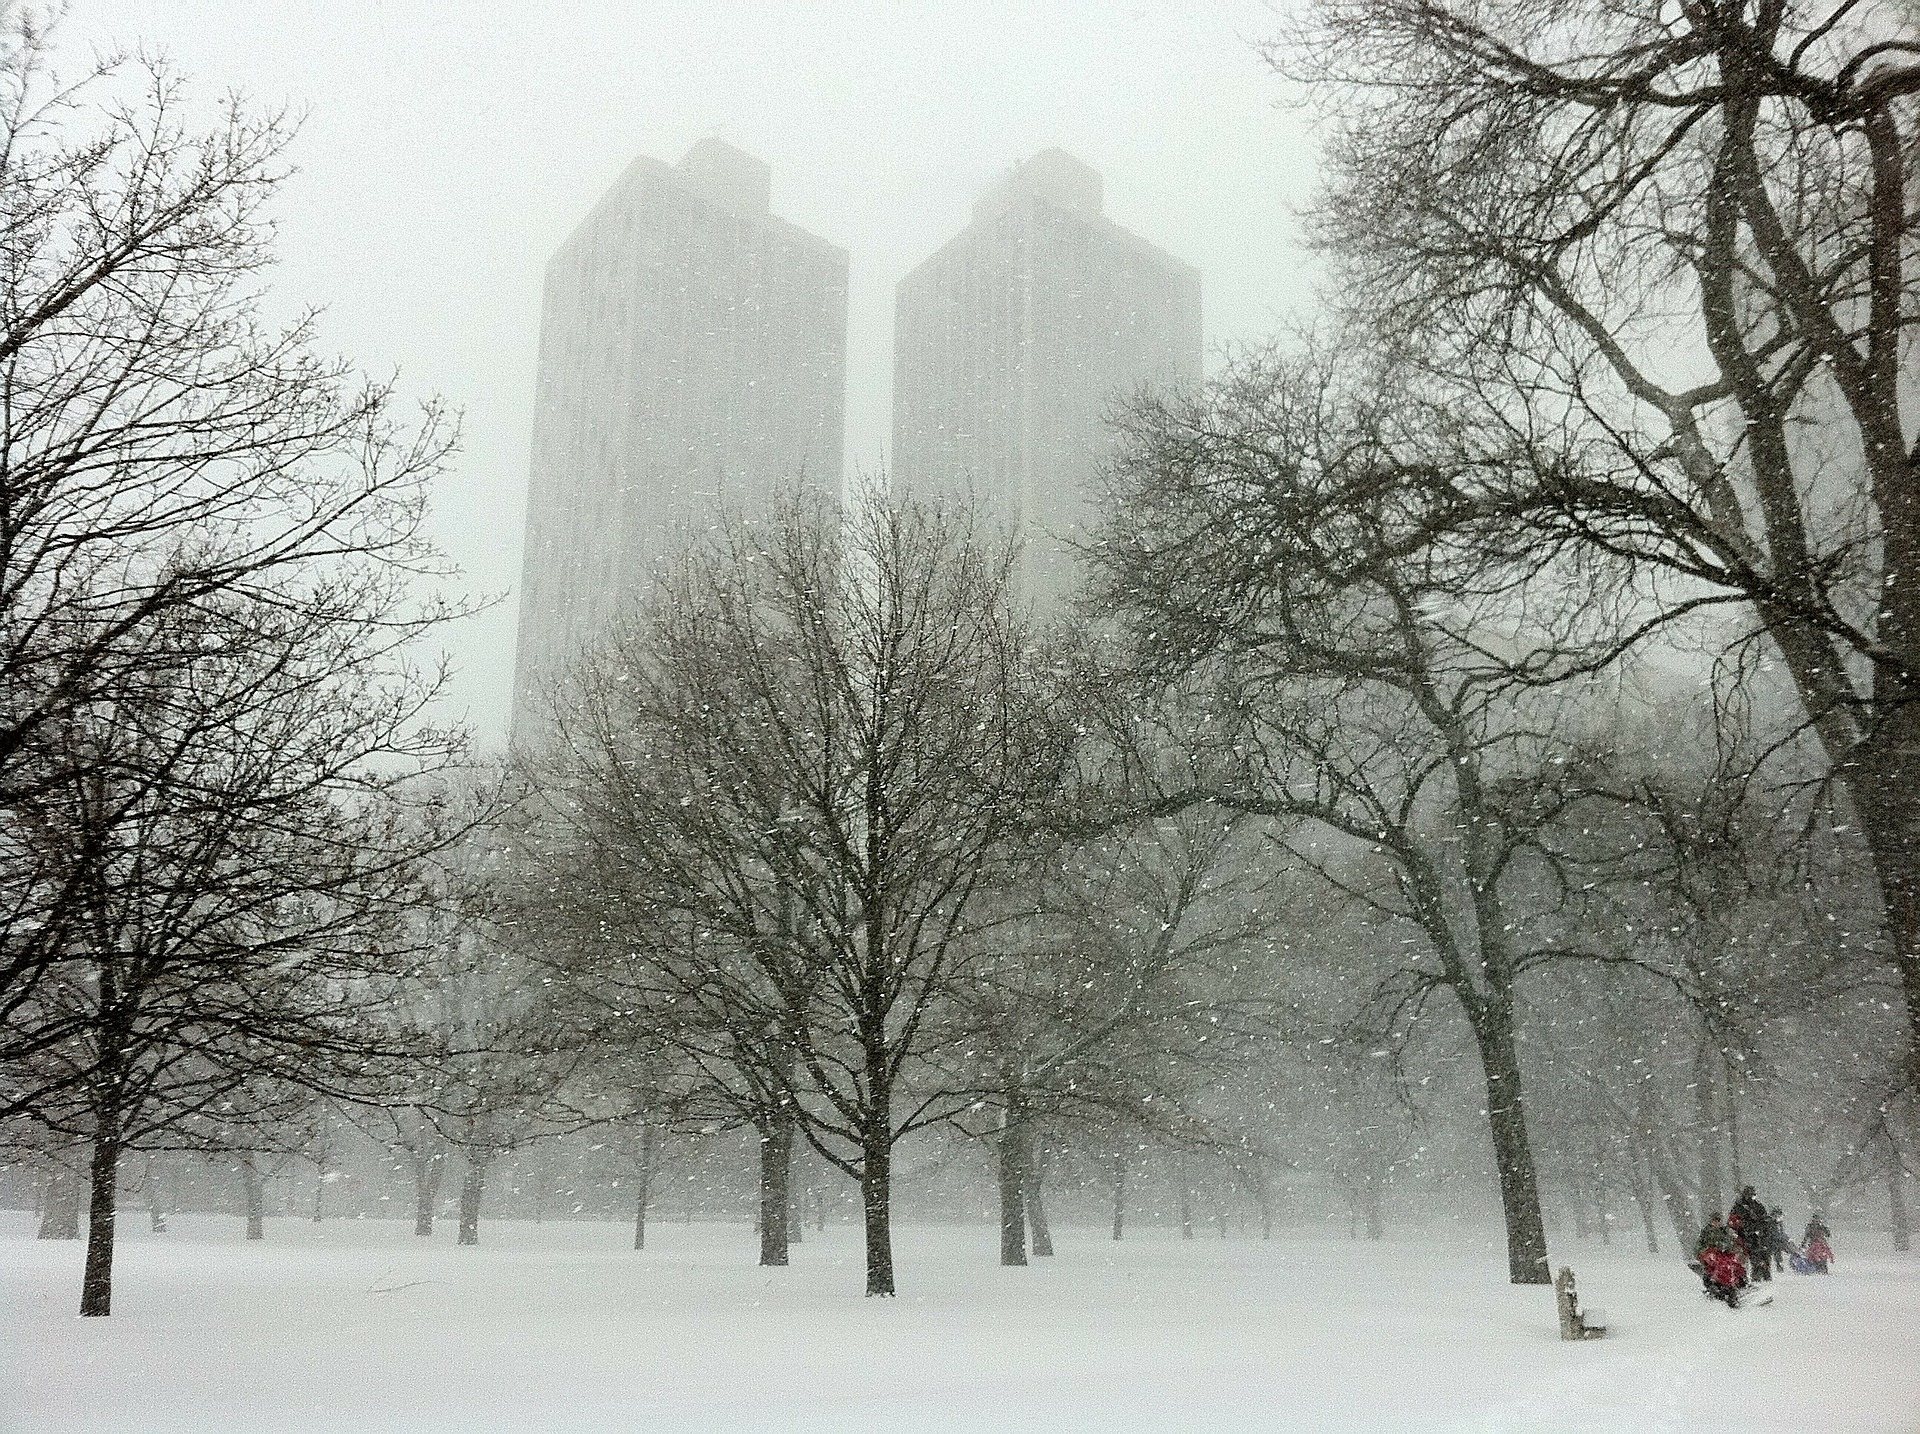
(447,149)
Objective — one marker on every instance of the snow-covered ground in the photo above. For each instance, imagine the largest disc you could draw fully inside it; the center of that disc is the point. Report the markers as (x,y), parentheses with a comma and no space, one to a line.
(359,1326)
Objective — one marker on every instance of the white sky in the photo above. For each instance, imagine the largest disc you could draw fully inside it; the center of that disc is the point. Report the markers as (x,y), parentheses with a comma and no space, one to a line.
(449,145)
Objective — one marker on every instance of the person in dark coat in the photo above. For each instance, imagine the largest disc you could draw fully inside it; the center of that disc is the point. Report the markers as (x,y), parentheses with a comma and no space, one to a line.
(1751,1223)
(1777,1232)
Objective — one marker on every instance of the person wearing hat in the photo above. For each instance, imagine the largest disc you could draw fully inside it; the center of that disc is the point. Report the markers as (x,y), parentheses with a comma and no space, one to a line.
(1748,1220)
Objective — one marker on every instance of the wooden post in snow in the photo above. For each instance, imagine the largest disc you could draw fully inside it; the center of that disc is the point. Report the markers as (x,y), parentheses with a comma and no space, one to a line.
(1573,1324)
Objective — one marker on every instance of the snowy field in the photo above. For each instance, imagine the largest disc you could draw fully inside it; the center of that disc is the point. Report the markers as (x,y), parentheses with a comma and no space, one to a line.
(356,1326)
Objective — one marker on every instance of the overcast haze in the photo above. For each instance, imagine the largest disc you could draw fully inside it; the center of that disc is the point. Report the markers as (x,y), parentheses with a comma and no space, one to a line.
(448,148)
(1428,864)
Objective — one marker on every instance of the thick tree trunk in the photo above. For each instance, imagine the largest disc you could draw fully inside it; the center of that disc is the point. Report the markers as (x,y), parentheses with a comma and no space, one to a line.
(776,1168)
(799,1188)
(1706,1112)
(1119,1195)
(1014,1157)
(96,1284)
(1902,1226)
(427,1173)
(1041,1233)
(60,1211)
(1885,787)
(1512,1150)
(471,1189)
(876,1208)
(103,1175)
(253,1189)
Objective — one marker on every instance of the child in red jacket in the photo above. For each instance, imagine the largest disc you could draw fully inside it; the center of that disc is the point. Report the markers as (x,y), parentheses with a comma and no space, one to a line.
(1717,1256)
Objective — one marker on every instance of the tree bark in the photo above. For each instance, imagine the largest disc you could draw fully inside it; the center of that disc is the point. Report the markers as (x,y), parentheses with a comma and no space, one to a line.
(96,1284)
(1014,1156)
(798,1191)
(60,1214)
(253,1190)
(876,1207)
(776,1168)
(1512,1150)
(471,1189)
(1885,787)
(1119,1195)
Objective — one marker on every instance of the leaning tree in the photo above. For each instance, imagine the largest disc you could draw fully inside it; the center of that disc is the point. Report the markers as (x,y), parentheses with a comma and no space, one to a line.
(1336,649)
(1676,244)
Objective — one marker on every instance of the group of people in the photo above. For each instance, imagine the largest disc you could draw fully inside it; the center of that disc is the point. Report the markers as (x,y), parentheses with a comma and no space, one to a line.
(1751,1243)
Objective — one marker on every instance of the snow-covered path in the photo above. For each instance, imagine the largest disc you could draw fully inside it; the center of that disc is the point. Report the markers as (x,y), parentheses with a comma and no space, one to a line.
(358,1326)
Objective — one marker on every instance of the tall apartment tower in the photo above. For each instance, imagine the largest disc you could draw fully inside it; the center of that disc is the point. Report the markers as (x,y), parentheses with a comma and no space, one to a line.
(692,361)
(1014,343)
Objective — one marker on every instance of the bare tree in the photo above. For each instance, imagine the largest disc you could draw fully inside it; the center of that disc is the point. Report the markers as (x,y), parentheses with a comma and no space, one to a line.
(160,450)
(1674,246)
(812,750)
(628,977)
(238,826)
(1122,973)
(1273,553)
(494,1054)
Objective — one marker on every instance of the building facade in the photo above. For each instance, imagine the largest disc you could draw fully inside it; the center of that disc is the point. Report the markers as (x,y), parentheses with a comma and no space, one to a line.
(692,363)
(1014,344)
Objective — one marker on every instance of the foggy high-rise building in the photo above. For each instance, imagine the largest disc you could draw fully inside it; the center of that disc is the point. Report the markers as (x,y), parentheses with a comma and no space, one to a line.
(1014,343)
(692,361)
